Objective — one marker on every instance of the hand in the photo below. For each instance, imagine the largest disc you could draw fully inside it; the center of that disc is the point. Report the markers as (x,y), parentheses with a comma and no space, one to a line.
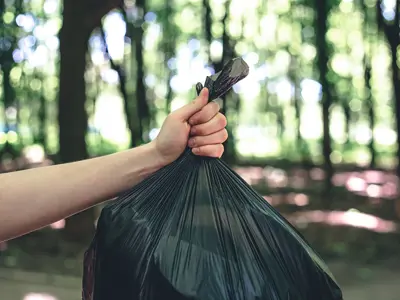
(204,124)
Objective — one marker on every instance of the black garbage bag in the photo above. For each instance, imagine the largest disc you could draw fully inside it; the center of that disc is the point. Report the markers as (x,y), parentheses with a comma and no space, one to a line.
(196,230)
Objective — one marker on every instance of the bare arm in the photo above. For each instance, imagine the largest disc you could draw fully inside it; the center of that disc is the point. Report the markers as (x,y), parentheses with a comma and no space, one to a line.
(35,198)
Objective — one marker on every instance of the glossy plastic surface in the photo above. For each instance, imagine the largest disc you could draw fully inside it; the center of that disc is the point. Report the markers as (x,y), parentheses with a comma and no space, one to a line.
(196,230)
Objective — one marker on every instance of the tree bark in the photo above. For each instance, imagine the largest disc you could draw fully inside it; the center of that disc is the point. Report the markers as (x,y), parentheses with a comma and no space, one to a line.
(142,104)
(227,54)
(80,18)
(322,12)
(392,32)
(169,44)
(72,115)
(6,65)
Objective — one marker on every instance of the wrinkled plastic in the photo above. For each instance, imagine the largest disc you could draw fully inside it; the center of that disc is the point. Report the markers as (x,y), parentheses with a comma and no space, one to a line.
(196,230)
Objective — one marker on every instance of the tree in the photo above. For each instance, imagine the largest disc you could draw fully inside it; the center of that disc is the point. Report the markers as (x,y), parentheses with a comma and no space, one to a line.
(228,53)
(391,30)
(80,18)
(369,33)
(9,42)
(321,26)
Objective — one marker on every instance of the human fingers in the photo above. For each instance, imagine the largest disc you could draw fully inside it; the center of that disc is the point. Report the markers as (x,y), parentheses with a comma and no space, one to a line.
(209,150)
(187,111)
(215,138)
(214,125)
(205,114)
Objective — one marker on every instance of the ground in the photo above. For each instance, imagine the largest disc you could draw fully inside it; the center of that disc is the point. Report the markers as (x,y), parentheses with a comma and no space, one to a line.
(358,234)
(380,282)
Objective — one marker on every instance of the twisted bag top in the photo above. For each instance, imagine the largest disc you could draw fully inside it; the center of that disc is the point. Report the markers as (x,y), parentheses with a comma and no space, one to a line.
(195,230)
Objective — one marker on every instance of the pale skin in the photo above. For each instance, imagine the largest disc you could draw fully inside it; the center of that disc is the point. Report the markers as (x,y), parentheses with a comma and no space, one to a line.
(32,199)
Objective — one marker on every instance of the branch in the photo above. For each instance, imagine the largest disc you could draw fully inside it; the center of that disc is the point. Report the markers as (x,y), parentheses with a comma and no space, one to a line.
(117,68)
(121,76)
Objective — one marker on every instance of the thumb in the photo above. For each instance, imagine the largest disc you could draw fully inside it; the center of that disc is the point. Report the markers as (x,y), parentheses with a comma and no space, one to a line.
(185,112)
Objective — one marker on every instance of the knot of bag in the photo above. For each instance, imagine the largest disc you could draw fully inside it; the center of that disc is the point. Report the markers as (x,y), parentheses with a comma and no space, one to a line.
(220,83)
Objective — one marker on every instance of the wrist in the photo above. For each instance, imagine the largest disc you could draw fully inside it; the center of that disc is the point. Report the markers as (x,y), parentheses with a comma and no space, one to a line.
(137,164)
(155,156)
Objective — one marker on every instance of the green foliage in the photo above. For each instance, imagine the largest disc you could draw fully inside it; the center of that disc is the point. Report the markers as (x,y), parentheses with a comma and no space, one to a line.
(277,110)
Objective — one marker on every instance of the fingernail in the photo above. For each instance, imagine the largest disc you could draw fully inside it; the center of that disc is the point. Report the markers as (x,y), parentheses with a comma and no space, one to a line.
(195,150)
(193,130)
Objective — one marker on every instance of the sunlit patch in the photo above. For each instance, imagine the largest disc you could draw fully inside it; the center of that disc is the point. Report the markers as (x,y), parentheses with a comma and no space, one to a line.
(369,183)
(111,107)
(352,218)
(154,133)
(388,9)
(300,200)
(115,29)
(374,176)
(374,191)
(384,135)
(372,184)
(311,90)
(277,178)
(252,175)
(58,225)
(292,199)
(50,6)
(34,154)
(356,184)
(27,22)
(39,296)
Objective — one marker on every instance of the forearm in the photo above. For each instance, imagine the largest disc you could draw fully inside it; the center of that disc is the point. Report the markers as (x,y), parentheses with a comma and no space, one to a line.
(35,198)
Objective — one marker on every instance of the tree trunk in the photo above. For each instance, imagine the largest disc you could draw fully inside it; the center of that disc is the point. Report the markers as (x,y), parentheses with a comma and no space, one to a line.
(371,113)
(42,117)
(131,103)
(392,31)
(322,11)
(72,116)
(142,104)
(347,117)
(227,54)
(368,19)
(6,64)
(169,44)
(396,87)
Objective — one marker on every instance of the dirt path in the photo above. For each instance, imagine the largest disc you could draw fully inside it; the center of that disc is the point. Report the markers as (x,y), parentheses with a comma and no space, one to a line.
(357,284)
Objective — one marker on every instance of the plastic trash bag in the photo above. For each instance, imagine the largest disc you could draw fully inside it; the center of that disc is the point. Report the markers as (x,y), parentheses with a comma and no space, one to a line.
(196,230)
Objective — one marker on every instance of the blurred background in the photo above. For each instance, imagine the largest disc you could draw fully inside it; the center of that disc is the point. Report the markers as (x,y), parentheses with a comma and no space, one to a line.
(313,128)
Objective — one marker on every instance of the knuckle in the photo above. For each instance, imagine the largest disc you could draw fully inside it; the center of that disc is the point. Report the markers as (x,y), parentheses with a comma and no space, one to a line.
(215,107)
(199,130)
(201,116)
(193,119)
(201,141)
